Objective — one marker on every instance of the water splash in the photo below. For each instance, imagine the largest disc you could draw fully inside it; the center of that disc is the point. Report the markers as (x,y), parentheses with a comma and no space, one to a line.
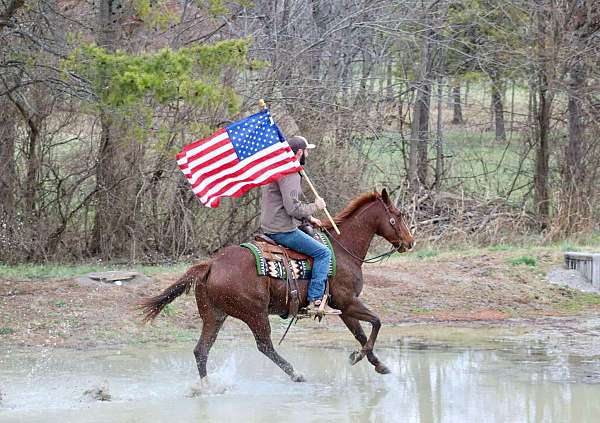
(218,382)
(97,393)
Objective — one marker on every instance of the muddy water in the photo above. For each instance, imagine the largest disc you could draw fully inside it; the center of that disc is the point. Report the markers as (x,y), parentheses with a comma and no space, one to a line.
(507,379)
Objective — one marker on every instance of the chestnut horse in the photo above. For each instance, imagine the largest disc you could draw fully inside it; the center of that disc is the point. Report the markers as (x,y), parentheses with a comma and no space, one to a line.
(228,284)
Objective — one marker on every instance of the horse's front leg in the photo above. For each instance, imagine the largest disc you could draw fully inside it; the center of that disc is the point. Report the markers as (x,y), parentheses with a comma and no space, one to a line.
(354,326)
(357,310)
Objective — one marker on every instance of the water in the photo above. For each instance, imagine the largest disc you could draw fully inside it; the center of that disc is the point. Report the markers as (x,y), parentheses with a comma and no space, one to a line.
(510,381)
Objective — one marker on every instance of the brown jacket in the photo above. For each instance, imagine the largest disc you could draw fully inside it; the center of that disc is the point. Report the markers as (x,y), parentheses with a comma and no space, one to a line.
(281,210)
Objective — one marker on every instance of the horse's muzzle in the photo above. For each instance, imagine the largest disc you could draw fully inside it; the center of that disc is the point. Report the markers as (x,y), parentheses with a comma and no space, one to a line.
(403,247)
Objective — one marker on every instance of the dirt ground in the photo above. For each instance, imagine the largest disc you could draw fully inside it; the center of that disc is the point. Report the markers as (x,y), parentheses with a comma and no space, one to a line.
(471,288)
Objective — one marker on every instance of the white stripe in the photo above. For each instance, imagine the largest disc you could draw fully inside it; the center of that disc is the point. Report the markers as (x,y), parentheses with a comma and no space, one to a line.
(261,178)
(245,162)
(256,167)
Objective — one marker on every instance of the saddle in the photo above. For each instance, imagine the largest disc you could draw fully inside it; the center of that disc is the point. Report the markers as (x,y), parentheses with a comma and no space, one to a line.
(279,262)
(273,251)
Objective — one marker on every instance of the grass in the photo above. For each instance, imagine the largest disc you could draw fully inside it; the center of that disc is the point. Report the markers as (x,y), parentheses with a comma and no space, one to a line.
(63,271)
(423,254)
(500,247)
(6,331)
(568,246)
(524,260)
(579,301)
(474,160)
(169,310)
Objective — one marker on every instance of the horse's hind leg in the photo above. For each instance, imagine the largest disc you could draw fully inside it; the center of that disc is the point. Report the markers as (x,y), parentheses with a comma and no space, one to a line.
(212,321)
(261,329)
(358,332)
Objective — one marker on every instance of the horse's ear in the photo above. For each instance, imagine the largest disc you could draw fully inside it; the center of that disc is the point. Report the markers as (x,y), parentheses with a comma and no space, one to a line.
(385,196)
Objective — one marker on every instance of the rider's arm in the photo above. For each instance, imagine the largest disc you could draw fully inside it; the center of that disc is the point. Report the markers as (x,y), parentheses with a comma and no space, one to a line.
(290,189)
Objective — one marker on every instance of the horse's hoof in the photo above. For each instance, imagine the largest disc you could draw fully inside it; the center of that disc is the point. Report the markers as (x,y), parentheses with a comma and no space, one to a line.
(355,357)
(382,369)
(297,377)
(204,387)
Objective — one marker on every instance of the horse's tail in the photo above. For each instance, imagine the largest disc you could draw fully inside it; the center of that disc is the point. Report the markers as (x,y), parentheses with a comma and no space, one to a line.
(151,307)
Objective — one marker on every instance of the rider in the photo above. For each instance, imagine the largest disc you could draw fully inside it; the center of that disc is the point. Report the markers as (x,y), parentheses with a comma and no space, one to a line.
(280,216)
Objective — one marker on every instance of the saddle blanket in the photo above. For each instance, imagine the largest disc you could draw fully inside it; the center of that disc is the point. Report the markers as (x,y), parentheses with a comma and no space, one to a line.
(275,268)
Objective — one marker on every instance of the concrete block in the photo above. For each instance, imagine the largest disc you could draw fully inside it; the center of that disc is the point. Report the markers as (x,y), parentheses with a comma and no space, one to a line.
(586,263)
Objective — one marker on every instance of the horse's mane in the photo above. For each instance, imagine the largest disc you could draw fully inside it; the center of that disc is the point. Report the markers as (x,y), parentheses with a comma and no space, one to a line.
(354,205)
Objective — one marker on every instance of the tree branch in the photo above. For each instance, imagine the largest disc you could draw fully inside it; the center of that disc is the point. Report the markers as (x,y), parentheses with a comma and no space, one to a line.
(11,9)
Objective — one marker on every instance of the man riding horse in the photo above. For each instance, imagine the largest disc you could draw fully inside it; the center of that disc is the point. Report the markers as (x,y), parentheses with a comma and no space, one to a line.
(281,215)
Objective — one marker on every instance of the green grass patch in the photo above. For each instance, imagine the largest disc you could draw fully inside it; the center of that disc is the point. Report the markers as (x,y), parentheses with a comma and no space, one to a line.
(169,310)
(423,254)
(524,260)
(62,271)
(500,247)
(7,331)
(580,301)
(473,159)
(60,303)
(568,246)
(420,310)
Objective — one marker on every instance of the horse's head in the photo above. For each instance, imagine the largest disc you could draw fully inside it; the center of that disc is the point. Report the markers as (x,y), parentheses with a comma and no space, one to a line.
(391,225)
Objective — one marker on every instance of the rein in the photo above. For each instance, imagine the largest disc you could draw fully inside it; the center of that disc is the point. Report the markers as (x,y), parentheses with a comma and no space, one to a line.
(369,260)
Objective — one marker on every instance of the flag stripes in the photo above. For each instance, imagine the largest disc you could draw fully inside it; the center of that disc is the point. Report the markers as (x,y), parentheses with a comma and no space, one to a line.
(213,167)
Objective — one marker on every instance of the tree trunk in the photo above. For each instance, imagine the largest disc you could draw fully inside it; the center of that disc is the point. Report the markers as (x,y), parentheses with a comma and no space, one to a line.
(8,173)
(573,171)
(457,117)
(418,171)
(542,156)
(575,146)
(439,151)
(113,219)
(498,109)
(541,106)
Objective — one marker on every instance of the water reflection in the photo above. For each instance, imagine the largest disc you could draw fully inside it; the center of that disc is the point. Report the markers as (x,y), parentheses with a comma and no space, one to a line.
(438,384)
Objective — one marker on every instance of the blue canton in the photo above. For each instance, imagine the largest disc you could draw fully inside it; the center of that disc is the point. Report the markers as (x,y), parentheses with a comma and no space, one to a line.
(253,134)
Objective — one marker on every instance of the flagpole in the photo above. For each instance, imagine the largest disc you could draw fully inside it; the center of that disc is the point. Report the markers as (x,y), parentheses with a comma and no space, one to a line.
(263,105)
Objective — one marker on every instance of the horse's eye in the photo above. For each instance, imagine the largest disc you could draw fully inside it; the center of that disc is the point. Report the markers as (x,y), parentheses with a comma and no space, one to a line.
(392,221)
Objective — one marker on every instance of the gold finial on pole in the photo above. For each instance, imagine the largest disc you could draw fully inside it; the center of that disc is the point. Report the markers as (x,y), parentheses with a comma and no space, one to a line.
(262,104)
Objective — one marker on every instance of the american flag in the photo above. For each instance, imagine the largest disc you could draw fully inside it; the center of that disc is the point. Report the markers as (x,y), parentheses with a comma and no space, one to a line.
(237,158)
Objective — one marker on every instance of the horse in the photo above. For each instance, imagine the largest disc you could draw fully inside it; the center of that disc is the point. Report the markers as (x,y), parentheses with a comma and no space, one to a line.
(228,284)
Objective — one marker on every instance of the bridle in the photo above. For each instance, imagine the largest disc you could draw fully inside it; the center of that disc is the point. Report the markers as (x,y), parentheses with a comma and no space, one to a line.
(381,257)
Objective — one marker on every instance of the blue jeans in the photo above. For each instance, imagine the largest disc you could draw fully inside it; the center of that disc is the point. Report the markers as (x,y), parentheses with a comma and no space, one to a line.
(303,243)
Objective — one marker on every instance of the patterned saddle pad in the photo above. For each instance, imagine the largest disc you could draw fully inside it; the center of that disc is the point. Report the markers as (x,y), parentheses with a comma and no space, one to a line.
(270,263)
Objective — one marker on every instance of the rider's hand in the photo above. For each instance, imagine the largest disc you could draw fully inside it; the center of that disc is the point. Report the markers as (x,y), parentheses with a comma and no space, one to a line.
(316,221)
(320,203)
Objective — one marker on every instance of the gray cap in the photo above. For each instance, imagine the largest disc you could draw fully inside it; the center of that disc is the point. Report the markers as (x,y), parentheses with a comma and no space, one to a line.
(299,143)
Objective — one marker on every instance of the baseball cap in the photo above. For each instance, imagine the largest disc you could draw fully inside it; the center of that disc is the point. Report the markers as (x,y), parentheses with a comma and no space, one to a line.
(298,142)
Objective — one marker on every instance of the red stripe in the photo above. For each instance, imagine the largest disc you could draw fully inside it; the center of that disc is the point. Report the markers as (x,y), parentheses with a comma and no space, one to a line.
(215,200)
(248,166)
(249,178)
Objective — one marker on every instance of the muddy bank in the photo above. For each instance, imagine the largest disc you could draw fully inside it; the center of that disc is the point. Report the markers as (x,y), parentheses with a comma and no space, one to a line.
(465,288)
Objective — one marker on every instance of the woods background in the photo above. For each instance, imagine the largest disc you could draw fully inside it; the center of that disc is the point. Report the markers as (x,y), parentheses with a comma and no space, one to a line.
(481,116)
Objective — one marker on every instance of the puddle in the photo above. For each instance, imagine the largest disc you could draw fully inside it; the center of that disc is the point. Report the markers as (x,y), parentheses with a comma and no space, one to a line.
(519,379)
